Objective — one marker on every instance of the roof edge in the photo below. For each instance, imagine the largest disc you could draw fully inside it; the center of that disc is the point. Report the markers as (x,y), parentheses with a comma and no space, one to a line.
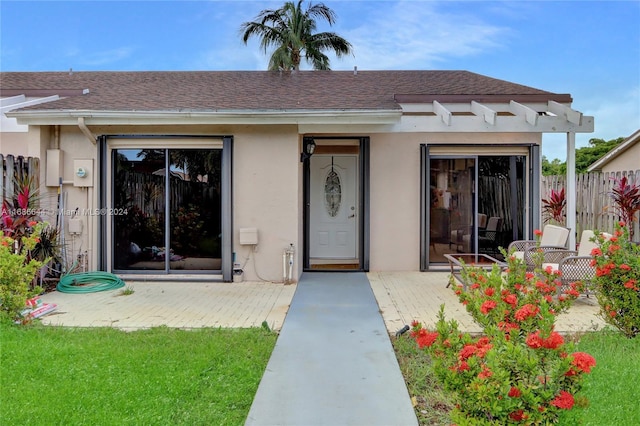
(499,98)
(48,117)
(615,152)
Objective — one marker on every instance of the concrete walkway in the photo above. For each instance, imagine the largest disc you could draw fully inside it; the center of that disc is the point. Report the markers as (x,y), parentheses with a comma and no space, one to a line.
(333,363)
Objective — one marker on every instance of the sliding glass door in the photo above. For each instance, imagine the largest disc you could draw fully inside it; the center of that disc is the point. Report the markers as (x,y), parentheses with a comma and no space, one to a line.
(476,204)
(167,210)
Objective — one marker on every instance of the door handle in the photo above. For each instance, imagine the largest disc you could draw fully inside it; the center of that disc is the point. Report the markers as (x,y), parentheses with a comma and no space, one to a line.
(353,215)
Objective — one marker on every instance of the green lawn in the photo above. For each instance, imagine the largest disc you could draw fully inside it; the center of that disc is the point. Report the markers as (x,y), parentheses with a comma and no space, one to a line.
(612,388)
(102,376)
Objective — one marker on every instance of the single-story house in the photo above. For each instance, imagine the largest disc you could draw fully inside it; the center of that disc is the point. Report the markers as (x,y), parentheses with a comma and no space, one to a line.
(197,175)
(623,157)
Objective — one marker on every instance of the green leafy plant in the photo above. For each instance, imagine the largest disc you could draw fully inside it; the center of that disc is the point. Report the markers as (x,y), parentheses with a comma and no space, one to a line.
(520,370)
(626,196)
(19,213)
(16,274)
(617,280)
(554,205)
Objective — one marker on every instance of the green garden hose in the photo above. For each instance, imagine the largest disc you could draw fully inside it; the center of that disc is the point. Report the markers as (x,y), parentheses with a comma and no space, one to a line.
(89,282)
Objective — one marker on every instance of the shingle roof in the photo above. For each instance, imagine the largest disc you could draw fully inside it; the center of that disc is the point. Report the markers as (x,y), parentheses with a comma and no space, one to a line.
(258,90)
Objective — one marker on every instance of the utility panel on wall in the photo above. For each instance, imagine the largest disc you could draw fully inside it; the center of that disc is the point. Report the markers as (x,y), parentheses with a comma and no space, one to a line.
(248,236)
(83,173)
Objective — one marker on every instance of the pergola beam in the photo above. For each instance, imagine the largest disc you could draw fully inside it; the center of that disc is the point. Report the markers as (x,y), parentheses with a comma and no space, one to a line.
(530,115)
(485,112)
(571,115)
(442,112)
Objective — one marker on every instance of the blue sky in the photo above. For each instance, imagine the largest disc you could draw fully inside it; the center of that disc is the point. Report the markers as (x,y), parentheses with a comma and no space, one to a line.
(590,49)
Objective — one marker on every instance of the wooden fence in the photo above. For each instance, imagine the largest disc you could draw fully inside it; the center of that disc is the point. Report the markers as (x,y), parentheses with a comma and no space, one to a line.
(594,206)
(17,169)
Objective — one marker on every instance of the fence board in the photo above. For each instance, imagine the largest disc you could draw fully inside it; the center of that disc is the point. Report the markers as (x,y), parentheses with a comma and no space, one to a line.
(16,169)
(594,206)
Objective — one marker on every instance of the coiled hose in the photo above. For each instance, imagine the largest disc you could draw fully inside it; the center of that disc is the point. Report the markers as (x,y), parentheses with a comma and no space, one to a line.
(89,282)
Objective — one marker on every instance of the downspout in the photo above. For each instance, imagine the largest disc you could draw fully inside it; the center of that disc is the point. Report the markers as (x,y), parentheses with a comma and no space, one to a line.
(90,201)
(85,130)
(56,137)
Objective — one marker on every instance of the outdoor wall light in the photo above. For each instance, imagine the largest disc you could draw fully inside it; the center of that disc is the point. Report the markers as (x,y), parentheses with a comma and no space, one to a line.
(308,147)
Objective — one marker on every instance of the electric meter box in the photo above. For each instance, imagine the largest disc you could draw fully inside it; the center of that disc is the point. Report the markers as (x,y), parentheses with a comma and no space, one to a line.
(83,173)
(248,236)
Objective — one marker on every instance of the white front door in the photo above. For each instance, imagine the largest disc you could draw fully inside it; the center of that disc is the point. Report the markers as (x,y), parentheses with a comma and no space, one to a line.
(333,229)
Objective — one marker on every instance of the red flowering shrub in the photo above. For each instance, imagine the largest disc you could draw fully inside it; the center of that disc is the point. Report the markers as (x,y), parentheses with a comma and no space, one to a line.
(617,280)
(520,371)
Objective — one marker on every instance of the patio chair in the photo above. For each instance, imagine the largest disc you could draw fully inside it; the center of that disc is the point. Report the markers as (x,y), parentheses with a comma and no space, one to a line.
(461,237)
(553,238)
(488,238)
(575,266)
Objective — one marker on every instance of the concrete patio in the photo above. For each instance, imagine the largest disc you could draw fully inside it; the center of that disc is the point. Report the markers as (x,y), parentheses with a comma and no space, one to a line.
(401,296)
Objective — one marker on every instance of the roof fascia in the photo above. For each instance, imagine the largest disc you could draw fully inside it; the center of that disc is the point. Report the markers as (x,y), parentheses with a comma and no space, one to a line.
(562,98)
(93,117)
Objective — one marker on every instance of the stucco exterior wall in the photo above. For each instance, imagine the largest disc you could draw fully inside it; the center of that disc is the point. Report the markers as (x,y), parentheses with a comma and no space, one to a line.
(266,194)
(395,190)
(628,160)
(266,190)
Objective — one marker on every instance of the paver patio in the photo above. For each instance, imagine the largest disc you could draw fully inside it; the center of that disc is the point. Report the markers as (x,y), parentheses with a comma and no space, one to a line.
(401,296)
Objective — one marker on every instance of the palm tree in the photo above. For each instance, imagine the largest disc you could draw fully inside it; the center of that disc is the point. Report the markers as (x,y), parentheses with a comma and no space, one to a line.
(291,31)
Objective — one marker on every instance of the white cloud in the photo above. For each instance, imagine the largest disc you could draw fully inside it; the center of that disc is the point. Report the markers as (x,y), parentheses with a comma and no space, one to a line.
(416,35)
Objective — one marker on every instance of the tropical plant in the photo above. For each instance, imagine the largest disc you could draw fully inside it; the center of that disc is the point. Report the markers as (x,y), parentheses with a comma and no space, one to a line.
(520,370)
(291,30)
(17,272)
(20,213)
(617,280)
(626,196)
(554,206)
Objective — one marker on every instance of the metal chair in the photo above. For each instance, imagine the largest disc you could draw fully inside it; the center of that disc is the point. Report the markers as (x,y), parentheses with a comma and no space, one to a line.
(553,238)
(488,238)
(575,265)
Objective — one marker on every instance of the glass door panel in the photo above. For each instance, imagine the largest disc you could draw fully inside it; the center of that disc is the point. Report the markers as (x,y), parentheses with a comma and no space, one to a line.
(171,221)
(194,217)
(476,204)
(139,194)
(452,207)
(501,197)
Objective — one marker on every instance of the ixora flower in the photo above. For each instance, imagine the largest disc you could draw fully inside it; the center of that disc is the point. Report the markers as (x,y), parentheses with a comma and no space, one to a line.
(583,361)
(487,306)
(514,392)
(527,311)
(564,400)
(554,341)
(518,416)
(424,338)
(517,311)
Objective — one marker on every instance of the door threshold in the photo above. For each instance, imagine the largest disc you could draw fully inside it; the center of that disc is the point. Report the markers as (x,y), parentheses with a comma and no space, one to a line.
(335,267)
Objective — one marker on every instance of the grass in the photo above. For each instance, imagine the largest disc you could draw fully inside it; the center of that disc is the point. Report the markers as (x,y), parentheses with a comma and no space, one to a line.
(611,388)
(431,402)
(126,291)
(160,376)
